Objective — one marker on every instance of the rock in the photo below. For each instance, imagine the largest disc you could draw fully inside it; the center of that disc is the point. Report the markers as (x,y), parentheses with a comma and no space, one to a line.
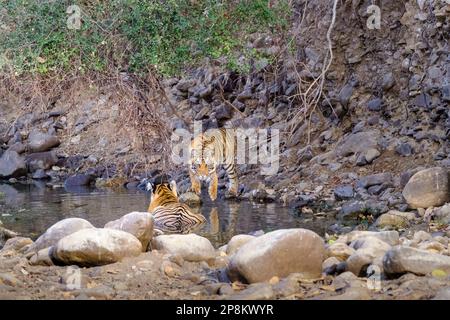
(343,192)
(17,243)
(388,81)
(442,214)
(428,188)
(330,263)
(58,231)
(40,174)
(305,154)
(39,141)
(375,179)
(375,104)
(433,246)
(8,279)
(223,112)
(190,247)
(352,210)
(288,285)
(41,160)
(358,143)
(352,293)
(184,84)
(12,165)
(390,237)
(443,294)
(95,247)
(395,219)
(225,290)
(18,147)
(79,180)
(403,259)
(345,94)
(139,224)
(257,291)
(279,253)
(404,149)
(339,250)
(190,198)
(236,242)
(421,236)
(345,280)
(6,234)
(371,154)
(368,249)
(42,257)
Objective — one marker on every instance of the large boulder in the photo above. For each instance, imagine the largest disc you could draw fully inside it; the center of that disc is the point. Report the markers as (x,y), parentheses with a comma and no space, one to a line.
(190,247)
(404,259)
(41,160)
(12,165)
(58,231)
(96,247)
(139,224)
(358,143)
(238,241)
(278,253)
(39,141)
(428,188)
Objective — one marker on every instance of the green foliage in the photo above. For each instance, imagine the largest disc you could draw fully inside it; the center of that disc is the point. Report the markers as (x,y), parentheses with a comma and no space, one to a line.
(133,35)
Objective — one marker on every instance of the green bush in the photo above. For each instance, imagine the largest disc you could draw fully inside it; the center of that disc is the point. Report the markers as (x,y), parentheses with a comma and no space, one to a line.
(132,35)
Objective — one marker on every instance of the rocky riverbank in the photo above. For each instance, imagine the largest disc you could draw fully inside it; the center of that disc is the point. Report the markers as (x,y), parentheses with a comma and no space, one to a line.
(124,260)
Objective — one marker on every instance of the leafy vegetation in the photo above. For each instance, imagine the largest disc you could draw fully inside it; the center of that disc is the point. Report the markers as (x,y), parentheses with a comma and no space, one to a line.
(132,35)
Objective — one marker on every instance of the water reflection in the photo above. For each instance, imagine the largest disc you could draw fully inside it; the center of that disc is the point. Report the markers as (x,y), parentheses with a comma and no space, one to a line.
(31,209)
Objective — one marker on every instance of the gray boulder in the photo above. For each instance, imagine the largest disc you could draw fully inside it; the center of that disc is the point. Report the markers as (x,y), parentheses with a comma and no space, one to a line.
(404,259)
(12,165)
(96,247)
(139,224)
(58,231)
(428,188)
(278,253)
(190,247)
(39,141)
(41,160)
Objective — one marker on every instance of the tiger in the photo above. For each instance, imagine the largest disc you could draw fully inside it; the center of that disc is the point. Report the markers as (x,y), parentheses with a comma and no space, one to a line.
(171,216)
(207,151)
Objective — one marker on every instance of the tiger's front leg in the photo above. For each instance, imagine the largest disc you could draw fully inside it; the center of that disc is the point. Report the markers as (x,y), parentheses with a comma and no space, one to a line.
(232,176)
(213,185)
(195,183)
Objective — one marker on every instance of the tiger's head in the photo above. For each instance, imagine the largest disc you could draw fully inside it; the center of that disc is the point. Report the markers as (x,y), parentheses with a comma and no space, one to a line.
(162,194)
(202,162)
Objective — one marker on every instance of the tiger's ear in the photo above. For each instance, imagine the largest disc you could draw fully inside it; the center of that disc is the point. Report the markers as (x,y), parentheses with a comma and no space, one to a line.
(173,187)
(149,186)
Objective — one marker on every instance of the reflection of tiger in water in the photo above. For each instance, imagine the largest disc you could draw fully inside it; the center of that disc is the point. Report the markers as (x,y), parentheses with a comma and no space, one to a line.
(169,214)
(207,151)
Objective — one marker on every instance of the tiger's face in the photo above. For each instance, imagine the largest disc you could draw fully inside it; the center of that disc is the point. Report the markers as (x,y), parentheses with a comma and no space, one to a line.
(162,193)
(202,162)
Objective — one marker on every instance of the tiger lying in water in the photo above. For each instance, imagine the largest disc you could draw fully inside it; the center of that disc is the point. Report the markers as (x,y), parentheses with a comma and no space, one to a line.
(207,151)
(171,216)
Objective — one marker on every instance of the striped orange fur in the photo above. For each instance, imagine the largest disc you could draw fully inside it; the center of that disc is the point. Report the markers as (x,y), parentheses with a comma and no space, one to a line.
(171,216)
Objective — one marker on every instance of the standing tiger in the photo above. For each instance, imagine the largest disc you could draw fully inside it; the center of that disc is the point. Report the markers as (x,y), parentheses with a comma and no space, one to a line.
(207,151)
(169,214)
